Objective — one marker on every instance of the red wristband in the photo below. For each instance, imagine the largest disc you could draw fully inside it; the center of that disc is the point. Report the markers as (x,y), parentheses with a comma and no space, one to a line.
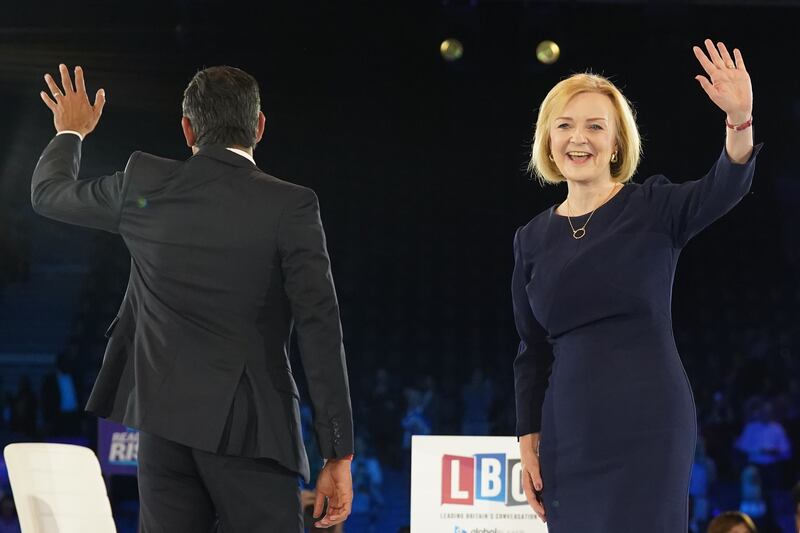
(740,127)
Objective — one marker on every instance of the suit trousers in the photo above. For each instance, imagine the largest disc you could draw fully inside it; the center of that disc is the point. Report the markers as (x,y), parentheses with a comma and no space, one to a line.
(185,490)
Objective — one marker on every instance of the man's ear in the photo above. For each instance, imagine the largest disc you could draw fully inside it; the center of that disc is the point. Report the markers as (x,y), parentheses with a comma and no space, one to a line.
(188,132)
(262,122)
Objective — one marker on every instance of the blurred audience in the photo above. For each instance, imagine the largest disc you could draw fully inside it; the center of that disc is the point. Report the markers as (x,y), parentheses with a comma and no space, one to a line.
(23,410)
(368,497)
(704,474)
(60,409)
(415,421)
(381,413)
(732,522)
(476,400)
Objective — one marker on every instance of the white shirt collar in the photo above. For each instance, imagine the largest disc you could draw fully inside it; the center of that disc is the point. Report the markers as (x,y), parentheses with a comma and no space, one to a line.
(243,154)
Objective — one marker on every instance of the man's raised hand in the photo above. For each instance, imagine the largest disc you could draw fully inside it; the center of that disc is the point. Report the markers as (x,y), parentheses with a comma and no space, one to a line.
(70,104)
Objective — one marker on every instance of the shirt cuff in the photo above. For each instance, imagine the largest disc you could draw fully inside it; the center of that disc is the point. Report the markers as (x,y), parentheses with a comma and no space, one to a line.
(70,131)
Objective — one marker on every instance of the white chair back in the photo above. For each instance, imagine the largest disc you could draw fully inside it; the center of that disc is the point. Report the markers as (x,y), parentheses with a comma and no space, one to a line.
(58,488)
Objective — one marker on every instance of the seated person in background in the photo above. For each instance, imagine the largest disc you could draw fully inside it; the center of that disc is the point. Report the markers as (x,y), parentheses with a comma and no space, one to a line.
(752,501)
(732,522)
(765,443)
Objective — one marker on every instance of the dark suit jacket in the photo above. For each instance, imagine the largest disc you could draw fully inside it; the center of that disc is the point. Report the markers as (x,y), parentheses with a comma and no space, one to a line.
(224,259)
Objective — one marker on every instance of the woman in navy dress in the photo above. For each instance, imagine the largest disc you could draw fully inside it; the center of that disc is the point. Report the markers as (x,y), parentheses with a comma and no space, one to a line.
(605,413)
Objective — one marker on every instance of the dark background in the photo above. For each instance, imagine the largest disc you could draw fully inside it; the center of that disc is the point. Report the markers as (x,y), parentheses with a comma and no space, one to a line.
(418,164)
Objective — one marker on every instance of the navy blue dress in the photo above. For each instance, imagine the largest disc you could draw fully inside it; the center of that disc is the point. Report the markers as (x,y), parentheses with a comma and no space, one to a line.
(597,372)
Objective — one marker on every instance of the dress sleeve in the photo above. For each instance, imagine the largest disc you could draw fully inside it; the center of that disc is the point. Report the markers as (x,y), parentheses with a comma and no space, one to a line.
(687,208)
(535,355)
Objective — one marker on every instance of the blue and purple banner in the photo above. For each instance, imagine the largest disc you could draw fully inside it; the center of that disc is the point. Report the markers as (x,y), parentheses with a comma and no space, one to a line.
(117,448)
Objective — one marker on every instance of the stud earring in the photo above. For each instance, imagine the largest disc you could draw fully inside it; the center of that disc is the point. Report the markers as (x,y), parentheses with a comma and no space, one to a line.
(614,157)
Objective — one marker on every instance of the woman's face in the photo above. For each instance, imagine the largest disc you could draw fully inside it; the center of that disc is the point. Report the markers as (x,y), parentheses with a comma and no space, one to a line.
(583,137)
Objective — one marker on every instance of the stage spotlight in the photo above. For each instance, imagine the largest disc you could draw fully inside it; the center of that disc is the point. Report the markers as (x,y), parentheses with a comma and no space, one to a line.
(451,49)
(548,52)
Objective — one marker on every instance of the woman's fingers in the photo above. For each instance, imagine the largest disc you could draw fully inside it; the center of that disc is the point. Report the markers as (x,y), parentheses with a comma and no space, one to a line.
(707,86)
(530,495)
(706,63)
(726,57)
(536,476)
(739,61)
(713,54)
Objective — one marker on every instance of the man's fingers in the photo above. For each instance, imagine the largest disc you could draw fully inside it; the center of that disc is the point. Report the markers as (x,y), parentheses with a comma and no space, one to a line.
(340,513)
(338,510)
(343,498)
(337,513)
(53,86)
(80,84)
(48,101)
(66,80)
(333,518)
(99,102)
(319,505)
(340,500)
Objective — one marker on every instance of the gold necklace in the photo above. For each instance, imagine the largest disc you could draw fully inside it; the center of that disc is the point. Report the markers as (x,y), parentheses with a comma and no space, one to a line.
(581,232)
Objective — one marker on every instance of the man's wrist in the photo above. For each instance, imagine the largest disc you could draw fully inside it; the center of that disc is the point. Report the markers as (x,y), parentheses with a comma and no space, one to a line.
(337,459)
(73,132)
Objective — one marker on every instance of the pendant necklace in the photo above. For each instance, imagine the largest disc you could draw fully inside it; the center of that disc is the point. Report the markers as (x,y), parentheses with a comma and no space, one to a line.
(579,233)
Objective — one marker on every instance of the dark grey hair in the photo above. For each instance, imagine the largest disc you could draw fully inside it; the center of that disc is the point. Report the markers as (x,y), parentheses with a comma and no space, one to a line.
(222,104)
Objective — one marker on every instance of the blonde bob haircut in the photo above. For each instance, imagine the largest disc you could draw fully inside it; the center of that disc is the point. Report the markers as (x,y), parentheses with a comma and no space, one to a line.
(629,144)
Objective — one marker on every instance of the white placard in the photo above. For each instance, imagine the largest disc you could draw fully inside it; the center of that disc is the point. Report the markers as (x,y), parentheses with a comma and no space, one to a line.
(469,485)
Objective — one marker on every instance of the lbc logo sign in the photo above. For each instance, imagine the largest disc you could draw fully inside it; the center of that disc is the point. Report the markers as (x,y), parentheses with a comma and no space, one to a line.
(484,476)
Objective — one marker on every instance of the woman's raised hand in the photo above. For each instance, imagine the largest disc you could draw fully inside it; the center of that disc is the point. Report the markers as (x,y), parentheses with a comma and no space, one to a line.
(729,86)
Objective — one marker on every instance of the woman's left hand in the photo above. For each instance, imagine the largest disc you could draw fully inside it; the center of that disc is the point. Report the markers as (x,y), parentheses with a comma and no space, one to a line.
(730,86)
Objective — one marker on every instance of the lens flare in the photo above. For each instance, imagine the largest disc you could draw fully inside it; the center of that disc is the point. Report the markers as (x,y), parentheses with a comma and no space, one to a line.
(451,49)
(548,52)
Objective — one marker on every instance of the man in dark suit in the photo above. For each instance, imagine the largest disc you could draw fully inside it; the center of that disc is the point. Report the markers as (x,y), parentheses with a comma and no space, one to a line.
(225,259)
